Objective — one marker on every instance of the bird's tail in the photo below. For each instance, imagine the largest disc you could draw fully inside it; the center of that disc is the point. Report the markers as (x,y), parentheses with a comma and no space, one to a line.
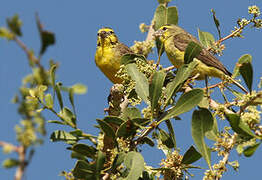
(237,84)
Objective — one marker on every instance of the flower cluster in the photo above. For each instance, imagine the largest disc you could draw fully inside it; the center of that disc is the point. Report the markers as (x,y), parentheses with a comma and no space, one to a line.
(143,47)
(172,167)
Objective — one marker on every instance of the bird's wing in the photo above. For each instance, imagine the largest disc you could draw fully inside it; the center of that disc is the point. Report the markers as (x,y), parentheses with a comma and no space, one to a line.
(123,49)
(181,41)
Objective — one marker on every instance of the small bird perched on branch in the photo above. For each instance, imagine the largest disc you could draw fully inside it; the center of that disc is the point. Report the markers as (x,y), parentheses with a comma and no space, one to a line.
(109,52)
(175,41)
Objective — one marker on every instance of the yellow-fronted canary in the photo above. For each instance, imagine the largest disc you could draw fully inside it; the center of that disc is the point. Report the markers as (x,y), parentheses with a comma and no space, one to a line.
(109,52)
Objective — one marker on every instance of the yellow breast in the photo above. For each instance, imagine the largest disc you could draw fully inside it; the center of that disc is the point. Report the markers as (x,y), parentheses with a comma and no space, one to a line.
(176,57)
(108,62)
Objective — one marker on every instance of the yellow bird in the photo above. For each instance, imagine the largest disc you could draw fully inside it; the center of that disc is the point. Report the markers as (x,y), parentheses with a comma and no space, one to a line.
(109,52)
(175,40)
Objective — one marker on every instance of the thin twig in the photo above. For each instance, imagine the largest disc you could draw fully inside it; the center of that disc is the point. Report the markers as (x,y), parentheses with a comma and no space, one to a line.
(29,54)
(22,163)
(13,147)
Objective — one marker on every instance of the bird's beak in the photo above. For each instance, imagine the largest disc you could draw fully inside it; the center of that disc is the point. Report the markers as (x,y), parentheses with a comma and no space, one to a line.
(103,34)
(158,33)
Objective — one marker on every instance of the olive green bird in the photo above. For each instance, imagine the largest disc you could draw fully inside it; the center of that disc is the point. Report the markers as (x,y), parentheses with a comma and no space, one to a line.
(175,41)
(109,52)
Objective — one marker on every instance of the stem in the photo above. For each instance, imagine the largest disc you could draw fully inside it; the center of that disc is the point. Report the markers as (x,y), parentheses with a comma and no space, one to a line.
(30,55)
(50,109)
(21,168)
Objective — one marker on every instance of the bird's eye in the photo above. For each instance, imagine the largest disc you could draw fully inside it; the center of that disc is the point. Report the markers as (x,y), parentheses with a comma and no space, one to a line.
(164,28)
(111,32)
(97,34)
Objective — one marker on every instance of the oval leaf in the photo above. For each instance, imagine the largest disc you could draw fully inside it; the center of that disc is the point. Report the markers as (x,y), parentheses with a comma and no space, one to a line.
(79,88)
(192,50)
(191,156)
(206,38)
(202,122)
(142,86)
(183,73)
(160,16)
(131,58)
(155,88)
(248,152)
(63,136)
(134,161)
(172,15)
(246,71)
(185,103)
(239,126)
(84,150)
(100,162)
(243,59)
(106,128)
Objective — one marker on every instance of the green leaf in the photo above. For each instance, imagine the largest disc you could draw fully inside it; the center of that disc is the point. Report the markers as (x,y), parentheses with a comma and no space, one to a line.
(56,122)
(206,38)
(75,155)
(14,24)
(141,121)
(113,120)
(213,134)
(202,122)
(249,151)
(243,59)
(84,150)
(185,103)
(155,89)
(246,72)
(160,47)
(163,16)
(192,50)
(172,15)
(160,18)
(119,159)
(52,74)
(130,113)
(84,170)
(71,99)
(142,86)
(127,129)
(59,96)
(216,23)
(191,156)
(106,128)
(131,58)
(239,126)
(134,161)
(10,163)
(79,88)
(171,131)
(163,1)
(147,140)
(60,135)
(5,33)
(47,37)
(49,101)
(183,73)
(166,139)
(100,162)
(68,117)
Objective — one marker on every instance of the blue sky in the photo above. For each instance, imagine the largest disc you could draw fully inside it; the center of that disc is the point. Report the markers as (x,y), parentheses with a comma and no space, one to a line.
(75,24)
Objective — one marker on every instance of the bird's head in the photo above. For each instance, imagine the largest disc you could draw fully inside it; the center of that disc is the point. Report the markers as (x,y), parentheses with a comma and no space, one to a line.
(166,31)
(106,37)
